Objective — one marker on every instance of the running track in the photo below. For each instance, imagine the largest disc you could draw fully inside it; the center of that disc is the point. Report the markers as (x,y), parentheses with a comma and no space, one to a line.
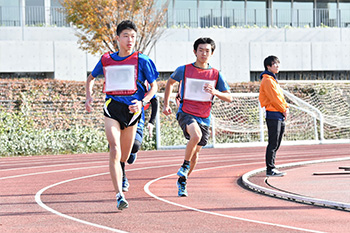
(73,193)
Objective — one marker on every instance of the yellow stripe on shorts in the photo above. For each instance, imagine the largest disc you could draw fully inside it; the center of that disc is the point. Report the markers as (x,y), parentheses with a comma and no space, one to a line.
(106,105)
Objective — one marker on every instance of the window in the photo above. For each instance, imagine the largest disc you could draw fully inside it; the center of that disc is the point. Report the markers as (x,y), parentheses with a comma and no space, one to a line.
(303,13)
(35,12)
(256,13)
(344,8)
(234,12)
(10,14)
(281,12)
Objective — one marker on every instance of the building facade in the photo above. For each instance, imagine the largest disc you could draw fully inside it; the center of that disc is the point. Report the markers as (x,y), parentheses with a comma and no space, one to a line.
(36,40)
(202,13)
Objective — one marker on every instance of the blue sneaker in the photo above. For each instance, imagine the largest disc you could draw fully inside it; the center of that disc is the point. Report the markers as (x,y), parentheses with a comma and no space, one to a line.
(132,158)
(182,189)
(125,185)
(183,171)
(122,203)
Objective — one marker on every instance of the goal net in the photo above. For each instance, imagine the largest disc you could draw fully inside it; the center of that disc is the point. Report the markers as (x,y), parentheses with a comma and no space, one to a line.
(315,117)
(330,102)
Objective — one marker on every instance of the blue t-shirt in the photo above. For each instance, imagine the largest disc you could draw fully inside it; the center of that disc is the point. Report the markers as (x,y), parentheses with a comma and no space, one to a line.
(221,85)
(146,71)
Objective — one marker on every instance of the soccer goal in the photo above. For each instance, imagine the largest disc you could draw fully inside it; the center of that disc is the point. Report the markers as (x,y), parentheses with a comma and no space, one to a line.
(238,123)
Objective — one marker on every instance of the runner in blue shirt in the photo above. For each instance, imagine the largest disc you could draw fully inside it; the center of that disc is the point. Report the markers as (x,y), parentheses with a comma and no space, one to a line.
(199,84)
(125,73)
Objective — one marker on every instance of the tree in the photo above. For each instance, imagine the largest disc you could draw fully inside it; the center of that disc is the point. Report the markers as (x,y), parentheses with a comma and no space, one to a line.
(96,22)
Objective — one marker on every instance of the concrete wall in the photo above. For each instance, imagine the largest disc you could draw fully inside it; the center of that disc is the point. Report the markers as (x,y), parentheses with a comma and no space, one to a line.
(239,51)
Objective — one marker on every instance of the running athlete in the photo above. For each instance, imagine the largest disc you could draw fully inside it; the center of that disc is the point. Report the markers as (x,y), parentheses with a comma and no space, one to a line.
(125,72)
(199,84)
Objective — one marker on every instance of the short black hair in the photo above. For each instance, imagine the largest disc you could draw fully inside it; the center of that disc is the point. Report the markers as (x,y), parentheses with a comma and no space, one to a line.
(126,24)
(204,40)
(270,60)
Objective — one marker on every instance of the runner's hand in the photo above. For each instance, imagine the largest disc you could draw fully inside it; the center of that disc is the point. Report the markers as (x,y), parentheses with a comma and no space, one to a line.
(88,104)
(209,88)
(150,128)
(136,107)
(167,110)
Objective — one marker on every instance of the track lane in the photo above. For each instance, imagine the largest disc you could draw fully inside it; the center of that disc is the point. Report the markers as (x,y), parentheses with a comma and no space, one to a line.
(92,199)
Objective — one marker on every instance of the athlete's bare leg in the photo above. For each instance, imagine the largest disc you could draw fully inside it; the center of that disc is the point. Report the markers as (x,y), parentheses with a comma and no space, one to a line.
(127,139)
(112,128)
(195,136)
(120,143)
(194,159)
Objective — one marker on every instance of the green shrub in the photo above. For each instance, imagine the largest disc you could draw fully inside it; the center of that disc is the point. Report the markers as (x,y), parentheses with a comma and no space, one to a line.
(19,136)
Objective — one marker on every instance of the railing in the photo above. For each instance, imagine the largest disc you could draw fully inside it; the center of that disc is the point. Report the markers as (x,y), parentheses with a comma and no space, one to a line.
(32,16)
(258,17)
(41,16)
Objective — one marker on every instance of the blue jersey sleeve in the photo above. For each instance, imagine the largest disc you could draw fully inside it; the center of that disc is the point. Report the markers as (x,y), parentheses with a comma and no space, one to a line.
(222,85)
(148,69)
(98,70)
(178,74)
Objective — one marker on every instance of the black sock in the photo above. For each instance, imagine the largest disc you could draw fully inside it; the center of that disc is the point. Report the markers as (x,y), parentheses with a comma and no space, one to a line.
(122,164)
(186,163)
(181,179)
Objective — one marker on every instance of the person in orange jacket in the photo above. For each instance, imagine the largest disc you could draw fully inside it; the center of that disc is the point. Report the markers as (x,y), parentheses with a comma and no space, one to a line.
(271,97)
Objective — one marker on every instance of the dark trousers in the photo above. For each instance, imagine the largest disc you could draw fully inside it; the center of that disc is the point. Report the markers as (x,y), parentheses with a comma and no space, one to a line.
(275,131)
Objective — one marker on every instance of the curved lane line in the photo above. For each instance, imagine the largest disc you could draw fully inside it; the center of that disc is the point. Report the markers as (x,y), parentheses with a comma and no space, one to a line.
(291,196)
(40,203)
(52,165)
(147,190)
(47,172)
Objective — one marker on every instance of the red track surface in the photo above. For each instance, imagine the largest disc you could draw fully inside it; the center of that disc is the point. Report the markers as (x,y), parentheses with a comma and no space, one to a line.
(73,193)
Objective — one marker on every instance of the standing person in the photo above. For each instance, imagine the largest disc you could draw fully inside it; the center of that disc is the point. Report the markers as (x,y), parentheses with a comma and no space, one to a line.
(139,138)
(124,72)
(271,97)
(199,84)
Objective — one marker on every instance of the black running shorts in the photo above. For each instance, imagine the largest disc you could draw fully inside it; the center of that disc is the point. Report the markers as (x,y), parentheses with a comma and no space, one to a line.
(187,119)
(121,113)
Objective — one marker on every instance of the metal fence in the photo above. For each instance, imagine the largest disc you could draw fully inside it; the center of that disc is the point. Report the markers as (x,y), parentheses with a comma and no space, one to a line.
(258,17)
(42,16)
(32,16)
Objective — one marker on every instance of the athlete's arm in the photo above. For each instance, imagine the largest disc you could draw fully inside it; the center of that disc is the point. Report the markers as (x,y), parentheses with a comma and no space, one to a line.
(223,95)
(151,92)
(154,107)
(168,89)
(88,88)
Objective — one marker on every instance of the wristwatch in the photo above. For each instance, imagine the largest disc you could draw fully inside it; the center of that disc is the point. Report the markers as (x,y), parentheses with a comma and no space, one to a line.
(144,103)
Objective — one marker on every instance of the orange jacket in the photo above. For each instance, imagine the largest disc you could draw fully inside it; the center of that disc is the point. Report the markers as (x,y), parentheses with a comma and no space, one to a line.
(271,95)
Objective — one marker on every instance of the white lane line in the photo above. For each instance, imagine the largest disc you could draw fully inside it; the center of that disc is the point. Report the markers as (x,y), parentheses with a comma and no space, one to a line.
(147,190)
(40,203)
(47,172)
(213,160)
(52,165)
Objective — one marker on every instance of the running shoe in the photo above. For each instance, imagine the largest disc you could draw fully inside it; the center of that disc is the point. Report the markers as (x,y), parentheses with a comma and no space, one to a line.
(132,158)
(183,171)
(122,203)
(182,189)
(125,185)
(275,172)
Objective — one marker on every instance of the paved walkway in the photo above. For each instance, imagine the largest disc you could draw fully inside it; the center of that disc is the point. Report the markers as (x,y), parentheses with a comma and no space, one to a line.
(321,183)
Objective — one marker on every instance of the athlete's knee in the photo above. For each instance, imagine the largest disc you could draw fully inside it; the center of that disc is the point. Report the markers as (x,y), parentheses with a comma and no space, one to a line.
(197,136)
(136,147)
